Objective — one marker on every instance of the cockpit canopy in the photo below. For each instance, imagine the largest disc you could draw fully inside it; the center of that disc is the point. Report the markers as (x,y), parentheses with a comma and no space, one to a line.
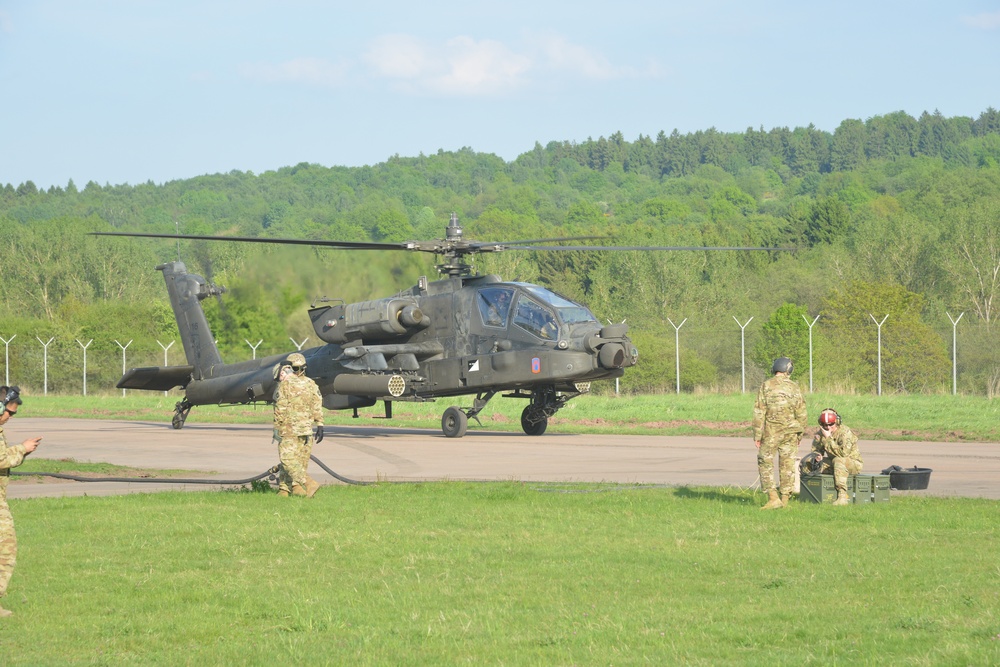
(538,311)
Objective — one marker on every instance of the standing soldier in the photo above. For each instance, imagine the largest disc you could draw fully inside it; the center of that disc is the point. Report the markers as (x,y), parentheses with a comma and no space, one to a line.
(298,407)
(10,457)
(779,418)
(836,447)
(281,372)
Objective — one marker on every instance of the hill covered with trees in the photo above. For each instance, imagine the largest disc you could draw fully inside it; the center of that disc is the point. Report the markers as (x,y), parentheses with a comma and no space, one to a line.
(892,216)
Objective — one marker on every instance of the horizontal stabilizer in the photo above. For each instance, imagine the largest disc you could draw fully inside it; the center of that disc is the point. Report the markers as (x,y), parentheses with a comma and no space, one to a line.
(156,378)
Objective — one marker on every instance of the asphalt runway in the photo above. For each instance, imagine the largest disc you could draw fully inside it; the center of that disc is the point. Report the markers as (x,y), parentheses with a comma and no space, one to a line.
(369,453)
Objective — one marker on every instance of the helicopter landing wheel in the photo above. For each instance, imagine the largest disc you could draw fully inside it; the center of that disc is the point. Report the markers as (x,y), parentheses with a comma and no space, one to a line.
(180,416)
(534,421)
(454,422)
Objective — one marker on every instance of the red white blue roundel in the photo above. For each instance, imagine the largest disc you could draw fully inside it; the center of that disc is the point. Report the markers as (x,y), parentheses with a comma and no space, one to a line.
(536,365)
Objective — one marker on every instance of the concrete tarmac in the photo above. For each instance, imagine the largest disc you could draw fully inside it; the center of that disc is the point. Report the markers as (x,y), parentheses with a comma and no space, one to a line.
(369,453)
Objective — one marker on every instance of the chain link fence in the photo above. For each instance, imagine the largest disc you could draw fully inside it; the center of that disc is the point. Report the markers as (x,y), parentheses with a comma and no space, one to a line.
(961,358)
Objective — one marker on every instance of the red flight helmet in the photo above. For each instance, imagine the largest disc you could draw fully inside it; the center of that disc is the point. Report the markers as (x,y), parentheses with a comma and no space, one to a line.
(828,418)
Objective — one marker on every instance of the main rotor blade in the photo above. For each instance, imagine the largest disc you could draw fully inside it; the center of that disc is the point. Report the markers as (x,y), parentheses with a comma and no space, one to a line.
(439,246)
(642,247)
(521,243)
(350,245)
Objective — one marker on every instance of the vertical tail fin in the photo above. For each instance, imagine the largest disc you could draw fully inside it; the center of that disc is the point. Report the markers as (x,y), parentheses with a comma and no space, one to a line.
(186,292)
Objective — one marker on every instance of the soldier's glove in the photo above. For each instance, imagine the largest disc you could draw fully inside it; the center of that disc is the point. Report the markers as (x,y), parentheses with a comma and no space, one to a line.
(318,436)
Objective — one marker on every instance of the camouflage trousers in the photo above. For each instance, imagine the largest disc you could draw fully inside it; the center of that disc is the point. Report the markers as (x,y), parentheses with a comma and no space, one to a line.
(294,452)
(8,547)
(786,445)
(841,467)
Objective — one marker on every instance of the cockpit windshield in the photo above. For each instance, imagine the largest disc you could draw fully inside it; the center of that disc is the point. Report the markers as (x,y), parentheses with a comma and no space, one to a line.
(569,312)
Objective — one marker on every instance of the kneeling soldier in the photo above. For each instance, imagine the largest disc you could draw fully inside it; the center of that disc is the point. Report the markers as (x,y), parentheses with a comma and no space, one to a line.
(836,448)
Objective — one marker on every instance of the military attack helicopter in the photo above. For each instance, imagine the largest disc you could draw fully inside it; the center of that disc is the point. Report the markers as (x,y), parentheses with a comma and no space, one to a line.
(464,334)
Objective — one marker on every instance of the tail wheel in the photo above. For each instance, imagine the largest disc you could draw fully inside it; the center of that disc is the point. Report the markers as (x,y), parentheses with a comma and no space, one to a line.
(181,411)
(454,422)
(533,420)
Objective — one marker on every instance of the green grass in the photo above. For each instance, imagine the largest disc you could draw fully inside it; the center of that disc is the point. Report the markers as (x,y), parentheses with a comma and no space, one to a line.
(72,467)
(502,573)
(895,417)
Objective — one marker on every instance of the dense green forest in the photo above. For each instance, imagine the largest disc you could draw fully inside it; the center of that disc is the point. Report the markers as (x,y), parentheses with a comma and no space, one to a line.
(894,218)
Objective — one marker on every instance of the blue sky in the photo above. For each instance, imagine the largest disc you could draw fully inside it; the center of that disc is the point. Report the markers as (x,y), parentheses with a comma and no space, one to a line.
(128,91)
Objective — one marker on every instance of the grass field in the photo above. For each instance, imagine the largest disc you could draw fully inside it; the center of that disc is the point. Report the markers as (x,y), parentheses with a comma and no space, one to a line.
(512,573)
(896,417)
(502,573)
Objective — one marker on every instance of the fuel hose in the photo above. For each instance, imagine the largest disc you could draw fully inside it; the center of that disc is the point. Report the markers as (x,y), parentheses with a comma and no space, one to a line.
(173,480)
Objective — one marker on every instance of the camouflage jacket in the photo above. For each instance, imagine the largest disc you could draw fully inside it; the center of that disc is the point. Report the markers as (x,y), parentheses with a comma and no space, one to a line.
(779,409)
(10,457)
(843,443)
(299,406)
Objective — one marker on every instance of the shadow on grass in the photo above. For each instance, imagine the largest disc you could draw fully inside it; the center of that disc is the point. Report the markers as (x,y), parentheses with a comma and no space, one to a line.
(725,495)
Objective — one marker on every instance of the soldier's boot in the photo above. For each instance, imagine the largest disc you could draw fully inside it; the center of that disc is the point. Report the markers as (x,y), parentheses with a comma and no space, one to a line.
(5,612)
(297,490)
(842,498)
(784,499)
(283,493)
(312,486)
(773,502)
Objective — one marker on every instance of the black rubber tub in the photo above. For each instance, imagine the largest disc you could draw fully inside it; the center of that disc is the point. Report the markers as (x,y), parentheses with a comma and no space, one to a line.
(909,479)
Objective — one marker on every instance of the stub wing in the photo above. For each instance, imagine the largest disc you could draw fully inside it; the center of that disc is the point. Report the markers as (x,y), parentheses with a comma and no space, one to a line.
(156,378)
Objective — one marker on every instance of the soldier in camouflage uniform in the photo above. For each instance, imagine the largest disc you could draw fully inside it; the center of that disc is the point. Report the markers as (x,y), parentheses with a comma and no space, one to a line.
(281,371)
(779,418)
(298,407)
(836,448)
(10,457)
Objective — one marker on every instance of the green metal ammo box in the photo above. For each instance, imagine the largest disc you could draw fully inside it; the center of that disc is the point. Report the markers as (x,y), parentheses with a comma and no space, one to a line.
(859,488)
(817,489)
(880,488)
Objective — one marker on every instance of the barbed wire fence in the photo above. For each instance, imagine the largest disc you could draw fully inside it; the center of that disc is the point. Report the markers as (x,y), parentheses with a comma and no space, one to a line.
(693,359)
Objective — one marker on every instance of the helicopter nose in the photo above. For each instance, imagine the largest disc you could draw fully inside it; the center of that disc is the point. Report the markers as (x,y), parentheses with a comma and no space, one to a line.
(613,347)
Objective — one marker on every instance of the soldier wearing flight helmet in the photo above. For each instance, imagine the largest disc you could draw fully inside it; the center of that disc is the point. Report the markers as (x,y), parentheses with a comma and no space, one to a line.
(836,449)
(779,418)
(297,409)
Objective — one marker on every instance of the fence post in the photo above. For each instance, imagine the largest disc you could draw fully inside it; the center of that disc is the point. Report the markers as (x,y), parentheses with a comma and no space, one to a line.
(6,359)
(743,355)
(298,346)
(879,325)
(810,350)
(677,346)
(45,365)
(254,347)
(84,362)
(165,348)
(123,347)
(954,353)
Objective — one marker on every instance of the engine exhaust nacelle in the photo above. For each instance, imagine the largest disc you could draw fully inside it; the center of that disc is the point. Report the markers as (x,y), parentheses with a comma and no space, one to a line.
(384,319)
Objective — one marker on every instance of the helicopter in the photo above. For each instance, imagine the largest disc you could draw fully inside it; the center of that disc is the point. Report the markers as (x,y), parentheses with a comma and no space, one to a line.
(461,335)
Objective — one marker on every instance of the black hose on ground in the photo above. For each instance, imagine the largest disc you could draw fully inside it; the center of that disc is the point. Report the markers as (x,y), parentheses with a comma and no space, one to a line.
(150,480)
(336,476)
(162,480)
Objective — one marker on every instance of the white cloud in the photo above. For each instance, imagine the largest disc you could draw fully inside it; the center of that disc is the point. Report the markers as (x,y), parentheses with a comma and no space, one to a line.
(560,53)
(461,66)
(310,71)
(484,67)
(984,21)
(398,57)
(466,66)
